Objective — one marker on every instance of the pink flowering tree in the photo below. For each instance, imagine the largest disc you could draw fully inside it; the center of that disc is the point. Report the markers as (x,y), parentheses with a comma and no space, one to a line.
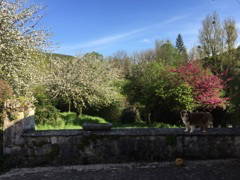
(207,88)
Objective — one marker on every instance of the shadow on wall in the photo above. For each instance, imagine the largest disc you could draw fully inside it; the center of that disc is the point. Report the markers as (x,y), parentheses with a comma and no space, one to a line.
(12,142)
(17,119)
(1,142)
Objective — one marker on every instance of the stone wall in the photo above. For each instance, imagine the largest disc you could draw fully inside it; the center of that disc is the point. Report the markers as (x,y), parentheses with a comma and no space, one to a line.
(1,143)
(23,146)
(127,145)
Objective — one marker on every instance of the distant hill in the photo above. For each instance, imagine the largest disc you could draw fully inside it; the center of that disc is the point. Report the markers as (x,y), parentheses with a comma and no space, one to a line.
(62,56)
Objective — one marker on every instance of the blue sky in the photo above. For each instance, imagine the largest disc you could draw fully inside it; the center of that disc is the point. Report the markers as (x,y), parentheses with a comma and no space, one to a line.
(107,26)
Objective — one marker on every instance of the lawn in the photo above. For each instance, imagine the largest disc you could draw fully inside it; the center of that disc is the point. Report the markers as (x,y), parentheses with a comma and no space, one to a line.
(70,120)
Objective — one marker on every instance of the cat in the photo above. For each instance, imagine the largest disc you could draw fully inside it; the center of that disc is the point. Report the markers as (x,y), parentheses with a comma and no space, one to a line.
(203,120)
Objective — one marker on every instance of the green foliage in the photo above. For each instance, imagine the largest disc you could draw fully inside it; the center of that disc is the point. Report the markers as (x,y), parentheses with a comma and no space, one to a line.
(90,119)
(180,47)
(158,89)
(46,112)
(227,66)
(93,56)
(54,127)
(41,96)
(178,98)
(111,112)
(168,54)
(48,115)
(65,120)
(75,122)
(69,117)
(130,114)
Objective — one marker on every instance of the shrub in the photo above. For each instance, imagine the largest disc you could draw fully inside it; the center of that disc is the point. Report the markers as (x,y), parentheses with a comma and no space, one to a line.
(160,91)
(48,115)
(89,119)
(130,115)
(69,117)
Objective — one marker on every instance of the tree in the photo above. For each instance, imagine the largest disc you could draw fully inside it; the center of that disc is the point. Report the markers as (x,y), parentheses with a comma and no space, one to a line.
(83,83)
(167,53)
(207,88)
(230,33)
(211,35)
(21,44)
(93,55)
(195,53)
(180,46)
(144,56)
(159,92)
(122,61)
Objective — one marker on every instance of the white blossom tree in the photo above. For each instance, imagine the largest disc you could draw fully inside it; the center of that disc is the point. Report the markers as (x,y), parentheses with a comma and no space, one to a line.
(83,82)
(21,44)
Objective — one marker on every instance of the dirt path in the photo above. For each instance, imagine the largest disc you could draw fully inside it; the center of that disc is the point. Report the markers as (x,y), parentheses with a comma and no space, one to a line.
(193,170)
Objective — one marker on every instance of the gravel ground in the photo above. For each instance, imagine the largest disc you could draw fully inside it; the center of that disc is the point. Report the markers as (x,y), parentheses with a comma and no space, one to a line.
(228,169)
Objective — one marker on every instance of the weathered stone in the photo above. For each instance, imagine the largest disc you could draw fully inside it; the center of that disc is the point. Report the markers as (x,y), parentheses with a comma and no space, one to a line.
(97,126)
(119,145)
(53,140)
(15,122)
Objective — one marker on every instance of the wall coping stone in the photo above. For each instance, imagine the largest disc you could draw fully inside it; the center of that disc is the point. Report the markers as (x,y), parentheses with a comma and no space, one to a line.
(135,132)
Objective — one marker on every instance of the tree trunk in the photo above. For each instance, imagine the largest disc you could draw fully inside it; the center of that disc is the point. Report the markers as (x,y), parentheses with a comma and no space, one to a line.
(69,106)
(80,111)
(149,118)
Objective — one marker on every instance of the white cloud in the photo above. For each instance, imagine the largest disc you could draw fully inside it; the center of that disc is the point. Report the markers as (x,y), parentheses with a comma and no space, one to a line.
(146,40)
(113,38)
(109,39)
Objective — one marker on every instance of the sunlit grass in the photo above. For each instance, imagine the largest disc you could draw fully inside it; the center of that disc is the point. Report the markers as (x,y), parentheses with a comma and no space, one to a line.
(70,120)
(50,127)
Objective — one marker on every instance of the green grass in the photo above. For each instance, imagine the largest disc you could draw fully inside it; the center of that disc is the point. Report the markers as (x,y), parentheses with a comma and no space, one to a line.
(144,125)
(93,119)
(70,120)
(50,127)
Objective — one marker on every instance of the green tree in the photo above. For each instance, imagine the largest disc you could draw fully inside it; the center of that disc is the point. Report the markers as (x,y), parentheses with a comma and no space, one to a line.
(167,53)
(93,56)
(160,93)
(180,46)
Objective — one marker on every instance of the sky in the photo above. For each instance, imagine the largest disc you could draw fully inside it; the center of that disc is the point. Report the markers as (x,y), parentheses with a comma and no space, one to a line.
(108,26)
